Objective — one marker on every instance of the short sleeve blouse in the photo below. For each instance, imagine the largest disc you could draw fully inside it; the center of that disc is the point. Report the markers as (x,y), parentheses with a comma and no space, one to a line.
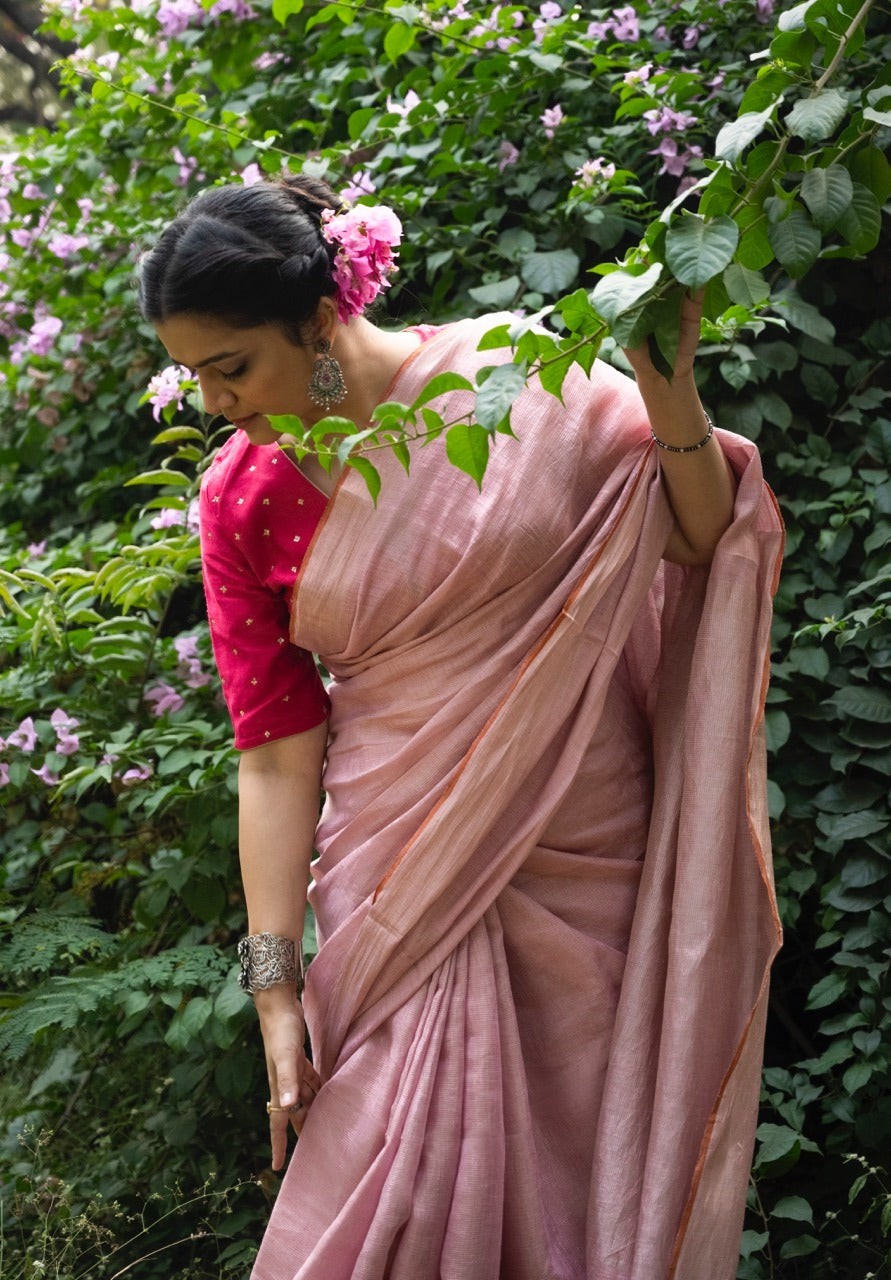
(258,514)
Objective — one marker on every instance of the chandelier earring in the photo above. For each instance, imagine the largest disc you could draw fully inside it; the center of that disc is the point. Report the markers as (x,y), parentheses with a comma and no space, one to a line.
(326,385)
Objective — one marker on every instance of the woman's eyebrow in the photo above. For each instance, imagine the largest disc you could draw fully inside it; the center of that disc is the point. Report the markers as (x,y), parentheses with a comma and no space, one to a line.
(221,355)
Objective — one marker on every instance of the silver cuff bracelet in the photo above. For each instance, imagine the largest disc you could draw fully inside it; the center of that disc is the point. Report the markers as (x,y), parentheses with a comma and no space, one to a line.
(267,960)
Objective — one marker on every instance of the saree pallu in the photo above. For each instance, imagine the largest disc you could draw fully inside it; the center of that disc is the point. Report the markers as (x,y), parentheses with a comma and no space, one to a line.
(543,891)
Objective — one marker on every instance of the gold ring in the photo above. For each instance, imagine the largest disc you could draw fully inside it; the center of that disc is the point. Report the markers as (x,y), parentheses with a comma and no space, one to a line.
(271,1107)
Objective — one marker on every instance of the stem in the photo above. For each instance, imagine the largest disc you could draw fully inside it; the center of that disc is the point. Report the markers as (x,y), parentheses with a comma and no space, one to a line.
(843,44)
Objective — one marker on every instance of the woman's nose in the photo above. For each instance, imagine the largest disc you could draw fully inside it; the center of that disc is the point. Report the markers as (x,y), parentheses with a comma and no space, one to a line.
(216,395)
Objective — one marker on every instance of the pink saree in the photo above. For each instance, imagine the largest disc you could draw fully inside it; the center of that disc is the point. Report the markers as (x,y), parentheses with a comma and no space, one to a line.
(543,890)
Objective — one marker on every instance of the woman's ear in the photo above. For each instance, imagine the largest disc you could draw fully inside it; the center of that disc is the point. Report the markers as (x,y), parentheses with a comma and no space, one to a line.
(325,320)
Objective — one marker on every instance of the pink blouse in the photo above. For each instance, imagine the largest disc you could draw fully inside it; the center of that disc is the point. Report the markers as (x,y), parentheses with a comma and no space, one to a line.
(258,514)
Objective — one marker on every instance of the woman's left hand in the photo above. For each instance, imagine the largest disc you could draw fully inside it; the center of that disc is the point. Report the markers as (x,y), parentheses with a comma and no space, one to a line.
(639,358)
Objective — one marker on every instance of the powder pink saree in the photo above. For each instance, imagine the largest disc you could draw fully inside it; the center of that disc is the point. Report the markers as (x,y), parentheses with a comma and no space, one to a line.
(543,893)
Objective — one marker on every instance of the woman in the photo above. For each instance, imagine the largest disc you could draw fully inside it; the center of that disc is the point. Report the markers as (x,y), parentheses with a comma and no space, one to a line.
(542,889)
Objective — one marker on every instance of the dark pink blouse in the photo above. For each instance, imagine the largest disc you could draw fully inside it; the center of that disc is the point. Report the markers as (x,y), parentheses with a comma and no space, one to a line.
(258,514)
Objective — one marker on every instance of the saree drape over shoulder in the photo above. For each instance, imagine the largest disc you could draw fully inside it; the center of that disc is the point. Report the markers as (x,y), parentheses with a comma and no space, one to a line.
(543,894)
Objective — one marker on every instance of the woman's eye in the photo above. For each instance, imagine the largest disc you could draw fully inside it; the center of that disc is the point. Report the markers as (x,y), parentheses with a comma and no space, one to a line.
(235,373)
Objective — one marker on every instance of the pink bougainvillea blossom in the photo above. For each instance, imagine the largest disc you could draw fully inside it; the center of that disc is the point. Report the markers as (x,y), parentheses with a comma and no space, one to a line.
(675,161)
(189,662)
(638,75)
(66,741)
(667,120)
(43,334)
(251,175)
(24,737)
(551,119)
(140,773)
(507,155)
(594,170)
(167,388)
(45,774)
(360,184)
(63,245)
(163,698)
(168,518)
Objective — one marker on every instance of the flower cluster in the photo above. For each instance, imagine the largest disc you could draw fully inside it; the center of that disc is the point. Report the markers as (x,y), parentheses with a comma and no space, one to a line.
(25,739)
(623,25)
(594,171)
(168,387)
(364,262)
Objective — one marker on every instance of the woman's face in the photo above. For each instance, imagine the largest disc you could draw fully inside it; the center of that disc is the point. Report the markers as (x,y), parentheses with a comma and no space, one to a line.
(244,374)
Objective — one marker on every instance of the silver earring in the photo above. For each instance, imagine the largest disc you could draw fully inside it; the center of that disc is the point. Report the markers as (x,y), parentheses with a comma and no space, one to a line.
(326,386)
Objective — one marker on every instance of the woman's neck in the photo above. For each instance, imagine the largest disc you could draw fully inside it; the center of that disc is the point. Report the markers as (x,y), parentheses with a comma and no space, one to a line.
(370,359)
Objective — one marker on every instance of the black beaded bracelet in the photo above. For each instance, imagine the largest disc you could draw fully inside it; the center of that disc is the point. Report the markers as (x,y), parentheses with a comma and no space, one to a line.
(686,448)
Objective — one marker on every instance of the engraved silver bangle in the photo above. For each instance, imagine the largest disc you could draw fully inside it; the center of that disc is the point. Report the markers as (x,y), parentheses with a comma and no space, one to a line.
(686,448)
(267,960)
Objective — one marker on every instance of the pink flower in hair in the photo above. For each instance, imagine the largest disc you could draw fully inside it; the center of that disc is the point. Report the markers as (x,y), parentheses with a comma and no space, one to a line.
(365,239)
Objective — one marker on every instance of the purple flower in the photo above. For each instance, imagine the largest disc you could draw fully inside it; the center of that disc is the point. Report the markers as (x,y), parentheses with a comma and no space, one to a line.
(268,60)
(193,520)
(25,736)
(140,774)
(45,774)
(63,246)
(691,37)
(67,742)
(168,518)
(764,9)
(43,335)
(4,774)
(176,16)
(31,191)
(163,698)
(551,119)
(508,155)
(626,26)
(251,175)
(667,120)
(187,166)
(166,388)
(638,75)
(674,161)
(592,170)
(189,662)
(35,549)
(360,184)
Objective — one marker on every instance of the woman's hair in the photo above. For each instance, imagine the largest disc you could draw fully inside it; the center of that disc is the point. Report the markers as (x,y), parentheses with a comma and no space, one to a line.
(245,255)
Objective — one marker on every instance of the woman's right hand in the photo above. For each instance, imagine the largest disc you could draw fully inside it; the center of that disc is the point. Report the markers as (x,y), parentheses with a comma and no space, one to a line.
(293,1080)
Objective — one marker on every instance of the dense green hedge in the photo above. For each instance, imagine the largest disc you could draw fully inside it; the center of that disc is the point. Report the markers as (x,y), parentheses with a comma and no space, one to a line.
(523,147)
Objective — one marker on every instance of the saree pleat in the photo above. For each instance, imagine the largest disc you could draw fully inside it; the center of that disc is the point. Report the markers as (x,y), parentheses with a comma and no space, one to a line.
(542,892)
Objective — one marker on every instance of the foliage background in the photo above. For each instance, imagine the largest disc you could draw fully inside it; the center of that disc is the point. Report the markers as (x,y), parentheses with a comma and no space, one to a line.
(130,1130)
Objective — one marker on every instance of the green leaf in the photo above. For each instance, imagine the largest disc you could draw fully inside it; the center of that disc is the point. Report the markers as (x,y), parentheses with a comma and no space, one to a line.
(862,703)
(799,1247)
(359,121)
(495,396)
(551,273)
(734,137)
(861,223)
(175,478)
(817,117)
(850,826)
(467,447)
(398,40)
(795,1208)
(498,295)
(282,10)
(369,474)
(796,242)
(793,19)
(696,250)
(745,287)
(774,1142)
(439,386)
(870,167)
(516,242)
(827,194)
(827,991)
(620,291)
(173,434)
